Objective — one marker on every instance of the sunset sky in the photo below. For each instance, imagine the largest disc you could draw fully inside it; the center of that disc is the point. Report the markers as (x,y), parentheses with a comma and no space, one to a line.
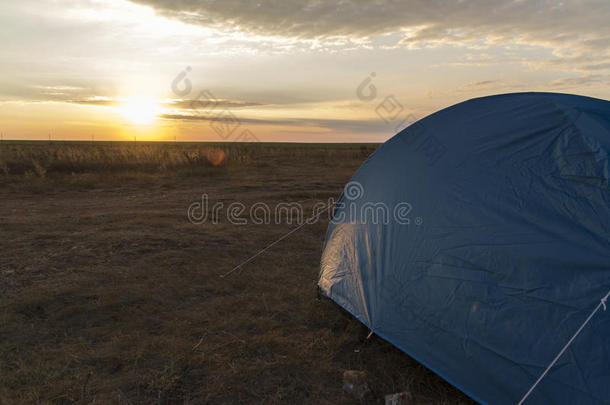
(281,70)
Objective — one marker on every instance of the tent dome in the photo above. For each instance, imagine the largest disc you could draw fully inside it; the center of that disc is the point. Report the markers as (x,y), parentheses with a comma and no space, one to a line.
(477,240)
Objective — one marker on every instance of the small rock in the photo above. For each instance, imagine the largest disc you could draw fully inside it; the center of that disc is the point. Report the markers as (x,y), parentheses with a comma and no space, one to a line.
(401,398)
(354,383)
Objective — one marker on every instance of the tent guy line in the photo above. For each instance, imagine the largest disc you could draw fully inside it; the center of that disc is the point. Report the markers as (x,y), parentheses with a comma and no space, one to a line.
(311,220)
(602,304)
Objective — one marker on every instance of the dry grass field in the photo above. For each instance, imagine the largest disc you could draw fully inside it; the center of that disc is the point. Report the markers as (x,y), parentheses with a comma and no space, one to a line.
(109,295)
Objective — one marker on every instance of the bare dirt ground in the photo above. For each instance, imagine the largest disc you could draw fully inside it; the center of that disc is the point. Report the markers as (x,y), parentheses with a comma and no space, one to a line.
(108,294)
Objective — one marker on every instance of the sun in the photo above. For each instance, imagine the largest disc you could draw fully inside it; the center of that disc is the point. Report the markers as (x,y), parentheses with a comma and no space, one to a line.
(139,111)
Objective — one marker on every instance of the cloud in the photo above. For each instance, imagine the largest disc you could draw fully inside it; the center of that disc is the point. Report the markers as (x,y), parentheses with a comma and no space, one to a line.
(571,30)
(587,80)
(218,103)
(485,87)
(354,126)
(214,117)
(63,93)
(483,83)
(80,95)
(421,22)
(581,62)
(95,101)
(596,66)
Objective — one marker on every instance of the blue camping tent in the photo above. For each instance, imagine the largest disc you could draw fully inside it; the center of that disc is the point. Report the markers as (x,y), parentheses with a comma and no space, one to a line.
(477,240)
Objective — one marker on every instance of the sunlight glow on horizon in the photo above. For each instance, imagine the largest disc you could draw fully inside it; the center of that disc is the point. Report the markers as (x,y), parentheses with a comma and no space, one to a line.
(140,111)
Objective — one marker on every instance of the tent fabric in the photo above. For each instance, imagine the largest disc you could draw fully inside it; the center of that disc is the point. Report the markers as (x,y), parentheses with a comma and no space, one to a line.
(503,253)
